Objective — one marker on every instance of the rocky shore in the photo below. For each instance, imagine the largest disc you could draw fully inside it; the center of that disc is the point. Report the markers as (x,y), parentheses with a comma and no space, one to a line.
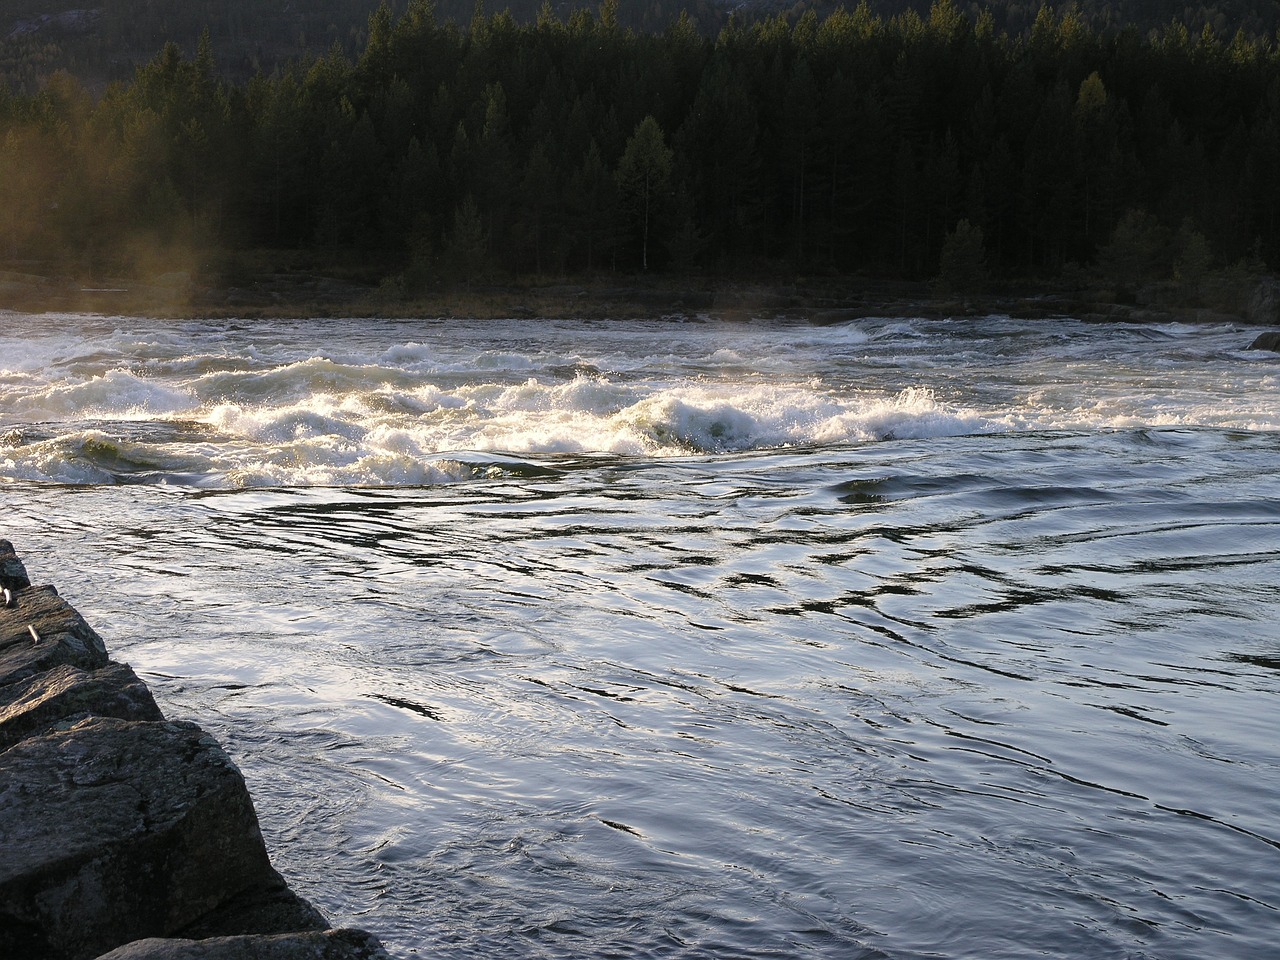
(124,835)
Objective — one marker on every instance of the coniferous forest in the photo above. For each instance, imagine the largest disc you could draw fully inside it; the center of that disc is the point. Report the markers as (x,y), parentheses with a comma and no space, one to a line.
(906,146)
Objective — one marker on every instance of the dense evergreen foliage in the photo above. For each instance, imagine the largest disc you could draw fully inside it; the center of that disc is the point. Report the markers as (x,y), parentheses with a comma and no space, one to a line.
(107,39)
(854,143)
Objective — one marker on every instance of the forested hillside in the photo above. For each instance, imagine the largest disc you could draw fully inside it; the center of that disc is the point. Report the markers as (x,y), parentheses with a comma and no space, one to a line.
(1256,18)
(902,147)
(103,40)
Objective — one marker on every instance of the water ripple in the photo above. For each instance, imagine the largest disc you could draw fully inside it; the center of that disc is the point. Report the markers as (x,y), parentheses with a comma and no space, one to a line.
(985,696)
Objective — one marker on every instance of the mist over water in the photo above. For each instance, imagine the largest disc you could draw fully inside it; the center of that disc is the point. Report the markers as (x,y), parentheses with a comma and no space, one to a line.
(894,639)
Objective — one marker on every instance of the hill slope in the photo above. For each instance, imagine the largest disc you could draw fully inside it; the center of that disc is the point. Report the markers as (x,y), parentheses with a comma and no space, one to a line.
(109,39)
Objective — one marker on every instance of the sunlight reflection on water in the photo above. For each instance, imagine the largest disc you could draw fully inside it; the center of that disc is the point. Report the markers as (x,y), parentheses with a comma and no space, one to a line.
(818,703)
(999,694)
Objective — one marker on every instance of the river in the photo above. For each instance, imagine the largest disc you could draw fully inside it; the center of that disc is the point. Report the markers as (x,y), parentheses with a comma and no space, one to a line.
(890,639)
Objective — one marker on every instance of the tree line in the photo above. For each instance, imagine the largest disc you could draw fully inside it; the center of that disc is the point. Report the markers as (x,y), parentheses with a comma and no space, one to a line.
(853,143)
(107,40)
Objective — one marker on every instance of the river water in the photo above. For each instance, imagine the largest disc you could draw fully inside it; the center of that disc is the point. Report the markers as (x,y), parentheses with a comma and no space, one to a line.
(892,639)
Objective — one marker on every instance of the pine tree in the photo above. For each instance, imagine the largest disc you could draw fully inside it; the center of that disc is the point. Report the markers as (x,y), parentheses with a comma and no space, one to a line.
(643,175)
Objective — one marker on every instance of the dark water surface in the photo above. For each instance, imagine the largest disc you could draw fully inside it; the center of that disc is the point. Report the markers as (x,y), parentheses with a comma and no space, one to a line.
(898,640)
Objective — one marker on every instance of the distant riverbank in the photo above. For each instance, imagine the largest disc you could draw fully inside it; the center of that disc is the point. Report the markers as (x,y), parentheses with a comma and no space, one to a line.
(307,293)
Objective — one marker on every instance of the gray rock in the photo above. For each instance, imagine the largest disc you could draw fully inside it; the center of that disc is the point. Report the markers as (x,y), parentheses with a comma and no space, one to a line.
(116,826)
(1264,307)
(257,911)
(115,831)
(328,945)
(1267,341)
(66,694)
(12,573)
(837,315)
(62,637)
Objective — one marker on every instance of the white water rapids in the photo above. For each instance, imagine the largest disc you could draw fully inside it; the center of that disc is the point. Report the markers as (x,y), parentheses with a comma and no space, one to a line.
(101,400)
(895,639)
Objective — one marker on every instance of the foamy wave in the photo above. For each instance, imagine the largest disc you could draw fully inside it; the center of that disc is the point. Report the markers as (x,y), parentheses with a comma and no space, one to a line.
(96,458)
(595,395)
(672,423)
(705,421)
(408,354)
(358,403)
(114,394)
(1226,403)
(421,358)
(587,415)
(373,470)
(913,414)
(93,456)
(318,417)
(331,424)
(297,381)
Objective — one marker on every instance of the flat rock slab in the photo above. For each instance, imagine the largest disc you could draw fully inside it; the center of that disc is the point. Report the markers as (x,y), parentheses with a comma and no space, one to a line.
(116,830)
(326,945)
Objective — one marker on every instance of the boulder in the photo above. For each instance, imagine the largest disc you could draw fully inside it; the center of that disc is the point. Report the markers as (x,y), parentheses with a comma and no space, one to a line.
(117,830)
(117,826)
(328,945)
(61,636)
(13,575)
(64,694)
(1267,341)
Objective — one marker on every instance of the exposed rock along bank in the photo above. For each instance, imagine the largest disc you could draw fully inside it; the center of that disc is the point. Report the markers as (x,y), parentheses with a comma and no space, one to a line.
(124,835)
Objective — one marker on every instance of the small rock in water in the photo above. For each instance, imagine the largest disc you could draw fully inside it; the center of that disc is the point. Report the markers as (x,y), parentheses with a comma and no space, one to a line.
(1267,341)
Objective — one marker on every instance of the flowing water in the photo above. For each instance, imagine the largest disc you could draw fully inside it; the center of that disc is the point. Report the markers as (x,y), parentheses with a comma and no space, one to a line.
(895,639)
